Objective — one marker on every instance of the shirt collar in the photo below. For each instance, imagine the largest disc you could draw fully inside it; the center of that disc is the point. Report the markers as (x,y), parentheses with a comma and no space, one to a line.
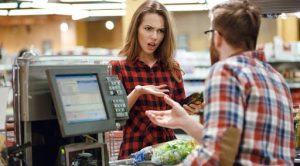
(257,54)
(137,62)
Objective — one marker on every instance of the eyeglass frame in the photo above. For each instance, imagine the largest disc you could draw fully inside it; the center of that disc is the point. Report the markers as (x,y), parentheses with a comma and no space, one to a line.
(208,31)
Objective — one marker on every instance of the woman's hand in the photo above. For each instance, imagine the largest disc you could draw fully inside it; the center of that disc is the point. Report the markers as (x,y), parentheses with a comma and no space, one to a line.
(139,90)
(159,91)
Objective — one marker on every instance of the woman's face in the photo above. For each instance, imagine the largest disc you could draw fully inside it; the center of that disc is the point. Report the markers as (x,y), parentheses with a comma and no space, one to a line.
(151,33)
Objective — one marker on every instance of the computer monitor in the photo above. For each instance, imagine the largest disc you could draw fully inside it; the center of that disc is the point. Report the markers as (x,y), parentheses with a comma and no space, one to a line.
(83,101)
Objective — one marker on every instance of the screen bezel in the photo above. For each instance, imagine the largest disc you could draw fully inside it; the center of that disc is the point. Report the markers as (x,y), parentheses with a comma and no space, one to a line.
(80,128)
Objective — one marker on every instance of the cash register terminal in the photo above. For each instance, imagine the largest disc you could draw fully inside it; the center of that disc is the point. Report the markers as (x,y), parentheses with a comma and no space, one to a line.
(60,101)
(87,101)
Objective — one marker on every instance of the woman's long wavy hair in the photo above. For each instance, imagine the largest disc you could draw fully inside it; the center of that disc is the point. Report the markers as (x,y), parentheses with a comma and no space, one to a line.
(166,49)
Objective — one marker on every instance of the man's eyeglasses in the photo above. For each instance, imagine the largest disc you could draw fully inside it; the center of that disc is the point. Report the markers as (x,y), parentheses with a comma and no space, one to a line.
(208,31)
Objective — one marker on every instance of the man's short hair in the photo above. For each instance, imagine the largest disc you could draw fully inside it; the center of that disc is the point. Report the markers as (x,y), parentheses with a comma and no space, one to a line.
(238,21)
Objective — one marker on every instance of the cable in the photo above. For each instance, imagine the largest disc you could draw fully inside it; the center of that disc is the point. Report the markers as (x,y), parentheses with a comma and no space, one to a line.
(92,140)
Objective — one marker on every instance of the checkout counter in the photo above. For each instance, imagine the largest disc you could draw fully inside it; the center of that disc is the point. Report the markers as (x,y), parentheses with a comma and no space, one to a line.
(62,105)
(63,102)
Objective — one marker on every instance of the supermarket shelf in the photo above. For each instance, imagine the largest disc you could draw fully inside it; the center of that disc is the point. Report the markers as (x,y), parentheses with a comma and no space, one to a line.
(193,86)
(284,59)
(294,85)
(197,74)
(192,77)
(5,67)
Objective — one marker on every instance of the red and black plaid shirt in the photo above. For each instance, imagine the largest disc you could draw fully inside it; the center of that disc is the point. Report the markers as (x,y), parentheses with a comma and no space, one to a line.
(139,131)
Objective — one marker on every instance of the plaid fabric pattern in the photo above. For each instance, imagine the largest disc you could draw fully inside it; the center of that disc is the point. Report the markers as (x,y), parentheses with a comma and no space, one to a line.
(246,93)
(139,131)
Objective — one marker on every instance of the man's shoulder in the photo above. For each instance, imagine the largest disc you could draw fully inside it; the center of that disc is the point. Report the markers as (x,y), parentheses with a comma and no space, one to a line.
(227,64)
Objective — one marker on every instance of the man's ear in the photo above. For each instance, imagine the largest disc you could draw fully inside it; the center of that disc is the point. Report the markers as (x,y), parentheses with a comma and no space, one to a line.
(218,39)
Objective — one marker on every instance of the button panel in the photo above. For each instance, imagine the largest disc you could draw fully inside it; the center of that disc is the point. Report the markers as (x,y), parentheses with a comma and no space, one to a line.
(120,107)
(115,88)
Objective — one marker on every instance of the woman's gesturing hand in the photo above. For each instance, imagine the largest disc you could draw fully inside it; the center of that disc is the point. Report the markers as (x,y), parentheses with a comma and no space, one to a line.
(159,90)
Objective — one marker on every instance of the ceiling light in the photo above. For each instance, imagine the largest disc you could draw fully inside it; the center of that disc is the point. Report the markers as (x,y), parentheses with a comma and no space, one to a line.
(100,6)
(80,15)
(25,12)
(75,1)
(181,1)
(297,14)
(8,5)
(64,27)
(40,1)
(283,16)
(115,0)
(212,3)
(109,25)
(26,5)
(68,12)
(195,7)
(58,6)
(95,13)
(37,4)
(3,12)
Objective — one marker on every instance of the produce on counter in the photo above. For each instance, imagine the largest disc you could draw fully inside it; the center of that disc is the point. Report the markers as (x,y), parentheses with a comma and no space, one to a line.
(168,153)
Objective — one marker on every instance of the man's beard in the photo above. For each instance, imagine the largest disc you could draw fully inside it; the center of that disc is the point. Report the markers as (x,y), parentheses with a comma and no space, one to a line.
(214,53)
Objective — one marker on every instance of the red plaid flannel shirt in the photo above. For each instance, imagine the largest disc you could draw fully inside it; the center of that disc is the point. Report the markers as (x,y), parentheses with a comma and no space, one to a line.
(139,131)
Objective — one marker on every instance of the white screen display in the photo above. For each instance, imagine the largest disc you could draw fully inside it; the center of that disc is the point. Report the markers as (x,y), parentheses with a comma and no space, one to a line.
(81,98)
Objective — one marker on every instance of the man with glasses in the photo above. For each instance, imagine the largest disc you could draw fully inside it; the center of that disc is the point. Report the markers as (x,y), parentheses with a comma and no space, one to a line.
(248,116)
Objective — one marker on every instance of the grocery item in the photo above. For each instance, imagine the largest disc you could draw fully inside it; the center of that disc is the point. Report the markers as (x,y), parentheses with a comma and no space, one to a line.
(297,129)
(168,153)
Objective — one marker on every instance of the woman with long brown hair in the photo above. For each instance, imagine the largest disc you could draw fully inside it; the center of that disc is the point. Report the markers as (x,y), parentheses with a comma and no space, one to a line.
(148,73)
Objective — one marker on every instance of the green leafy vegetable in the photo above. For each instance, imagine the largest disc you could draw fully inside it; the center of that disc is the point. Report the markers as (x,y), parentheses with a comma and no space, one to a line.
(172,152)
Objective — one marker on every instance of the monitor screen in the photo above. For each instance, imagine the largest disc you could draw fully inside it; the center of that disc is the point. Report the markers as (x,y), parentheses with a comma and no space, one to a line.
(81,98)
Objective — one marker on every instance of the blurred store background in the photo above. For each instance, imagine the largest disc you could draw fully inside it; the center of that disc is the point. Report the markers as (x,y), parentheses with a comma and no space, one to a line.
(98,27)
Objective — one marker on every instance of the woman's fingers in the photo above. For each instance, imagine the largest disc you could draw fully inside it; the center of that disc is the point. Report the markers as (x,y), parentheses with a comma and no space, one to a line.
(169,101)
(192,108)
(165,90)
(188,109)
(162,86)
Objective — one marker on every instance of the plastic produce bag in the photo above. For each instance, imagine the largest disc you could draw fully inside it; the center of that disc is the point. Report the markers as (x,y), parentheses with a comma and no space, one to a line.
(168,153)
